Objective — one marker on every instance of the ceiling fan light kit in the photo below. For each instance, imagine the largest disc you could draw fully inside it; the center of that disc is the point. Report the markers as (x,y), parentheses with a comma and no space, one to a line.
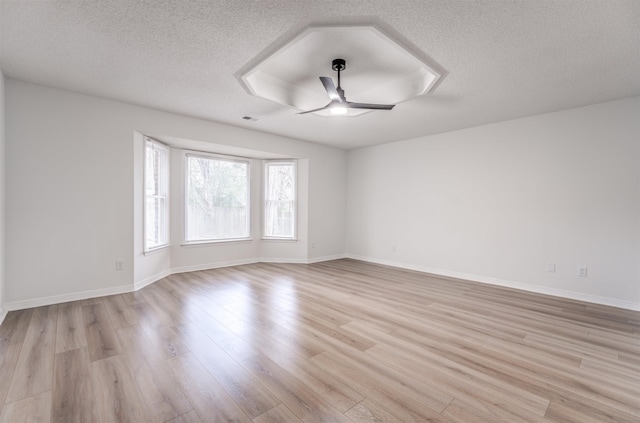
(338,110)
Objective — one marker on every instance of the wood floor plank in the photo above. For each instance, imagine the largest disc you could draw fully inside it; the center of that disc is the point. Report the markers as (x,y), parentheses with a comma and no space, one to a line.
(484,394)
(160,393)
(70,332)
(564,382)
(614,368)
(14,327)
(558,359)
(131,298)
(117,397)
(335,335)
(119,311)
(42,327)
(630,358)
(73,399)
(296,396)
(101,338)
(229,341)
(159,390)
(459,412)
(168,313)
(33,373)
(279,414)
(34,370)
(404,403)
(190,417)
(371,412)
(34,409)
(8,363)
(250,395)
(166,340)
(338,394)
(341,341)
(525,375)
(569,384)
(582,349)
(266,331)
(139,350)
(569,411)
(208,397)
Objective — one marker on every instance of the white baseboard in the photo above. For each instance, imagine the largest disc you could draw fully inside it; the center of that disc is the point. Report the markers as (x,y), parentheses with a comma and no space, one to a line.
(281,260)
(151,279)
(326,258)
(208,266)
(301,260)
(629,305)
(64,298)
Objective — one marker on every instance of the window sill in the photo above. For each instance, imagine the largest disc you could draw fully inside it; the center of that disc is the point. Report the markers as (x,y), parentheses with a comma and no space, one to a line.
(215,242)
(156,250)
(279,239)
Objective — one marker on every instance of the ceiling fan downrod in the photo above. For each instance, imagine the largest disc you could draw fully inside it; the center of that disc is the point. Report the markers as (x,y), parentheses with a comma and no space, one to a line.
(339,65)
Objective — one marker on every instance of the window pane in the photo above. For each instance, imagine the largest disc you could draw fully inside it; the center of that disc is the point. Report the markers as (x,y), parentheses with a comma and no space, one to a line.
(217,199)
(280,206)
(156,205)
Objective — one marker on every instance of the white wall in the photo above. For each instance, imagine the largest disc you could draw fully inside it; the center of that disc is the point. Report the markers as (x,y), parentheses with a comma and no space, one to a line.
(2,182)
(496,203)
(493,203)
(72,164)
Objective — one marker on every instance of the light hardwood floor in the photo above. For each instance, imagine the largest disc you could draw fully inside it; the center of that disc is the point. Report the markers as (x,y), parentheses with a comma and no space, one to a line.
(341,341)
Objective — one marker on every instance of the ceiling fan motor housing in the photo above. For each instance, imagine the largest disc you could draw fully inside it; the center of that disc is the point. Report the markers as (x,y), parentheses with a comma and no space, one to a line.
(338,65)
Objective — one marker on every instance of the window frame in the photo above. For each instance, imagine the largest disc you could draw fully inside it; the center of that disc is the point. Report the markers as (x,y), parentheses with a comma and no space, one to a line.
(265,182)
(185,186)
(167,195)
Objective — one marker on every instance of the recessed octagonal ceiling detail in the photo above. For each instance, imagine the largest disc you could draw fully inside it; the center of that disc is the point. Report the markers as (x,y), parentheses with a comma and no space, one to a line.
(380,69)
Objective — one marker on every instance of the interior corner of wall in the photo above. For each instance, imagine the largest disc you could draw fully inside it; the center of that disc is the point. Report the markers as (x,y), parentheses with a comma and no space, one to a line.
(3,313)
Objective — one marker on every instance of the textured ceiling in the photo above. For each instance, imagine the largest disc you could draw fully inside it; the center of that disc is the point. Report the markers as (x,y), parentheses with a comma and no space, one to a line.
(504,59)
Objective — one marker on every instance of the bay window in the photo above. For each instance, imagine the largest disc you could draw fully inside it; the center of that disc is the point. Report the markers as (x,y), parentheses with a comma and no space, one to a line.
(280,199)
(217,199)
(156,192)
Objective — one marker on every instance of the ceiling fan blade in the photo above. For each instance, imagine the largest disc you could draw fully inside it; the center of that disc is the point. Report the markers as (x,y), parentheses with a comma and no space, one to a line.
(331,88)
(371,106)
(316,110)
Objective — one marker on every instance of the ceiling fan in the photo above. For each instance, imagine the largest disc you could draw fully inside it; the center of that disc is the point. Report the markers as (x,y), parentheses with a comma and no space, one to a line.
(339,104)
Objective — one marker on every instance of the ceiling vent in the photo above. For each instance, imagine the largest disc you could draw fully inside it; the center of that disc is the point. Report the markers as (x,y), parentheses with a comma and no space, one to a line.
(382,68)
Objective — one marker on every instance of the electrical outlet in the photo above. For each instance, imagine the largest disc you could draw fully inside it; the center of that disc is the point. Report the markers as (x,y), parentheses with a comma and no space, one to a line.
(119,264)
(551,267)
(582,271)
